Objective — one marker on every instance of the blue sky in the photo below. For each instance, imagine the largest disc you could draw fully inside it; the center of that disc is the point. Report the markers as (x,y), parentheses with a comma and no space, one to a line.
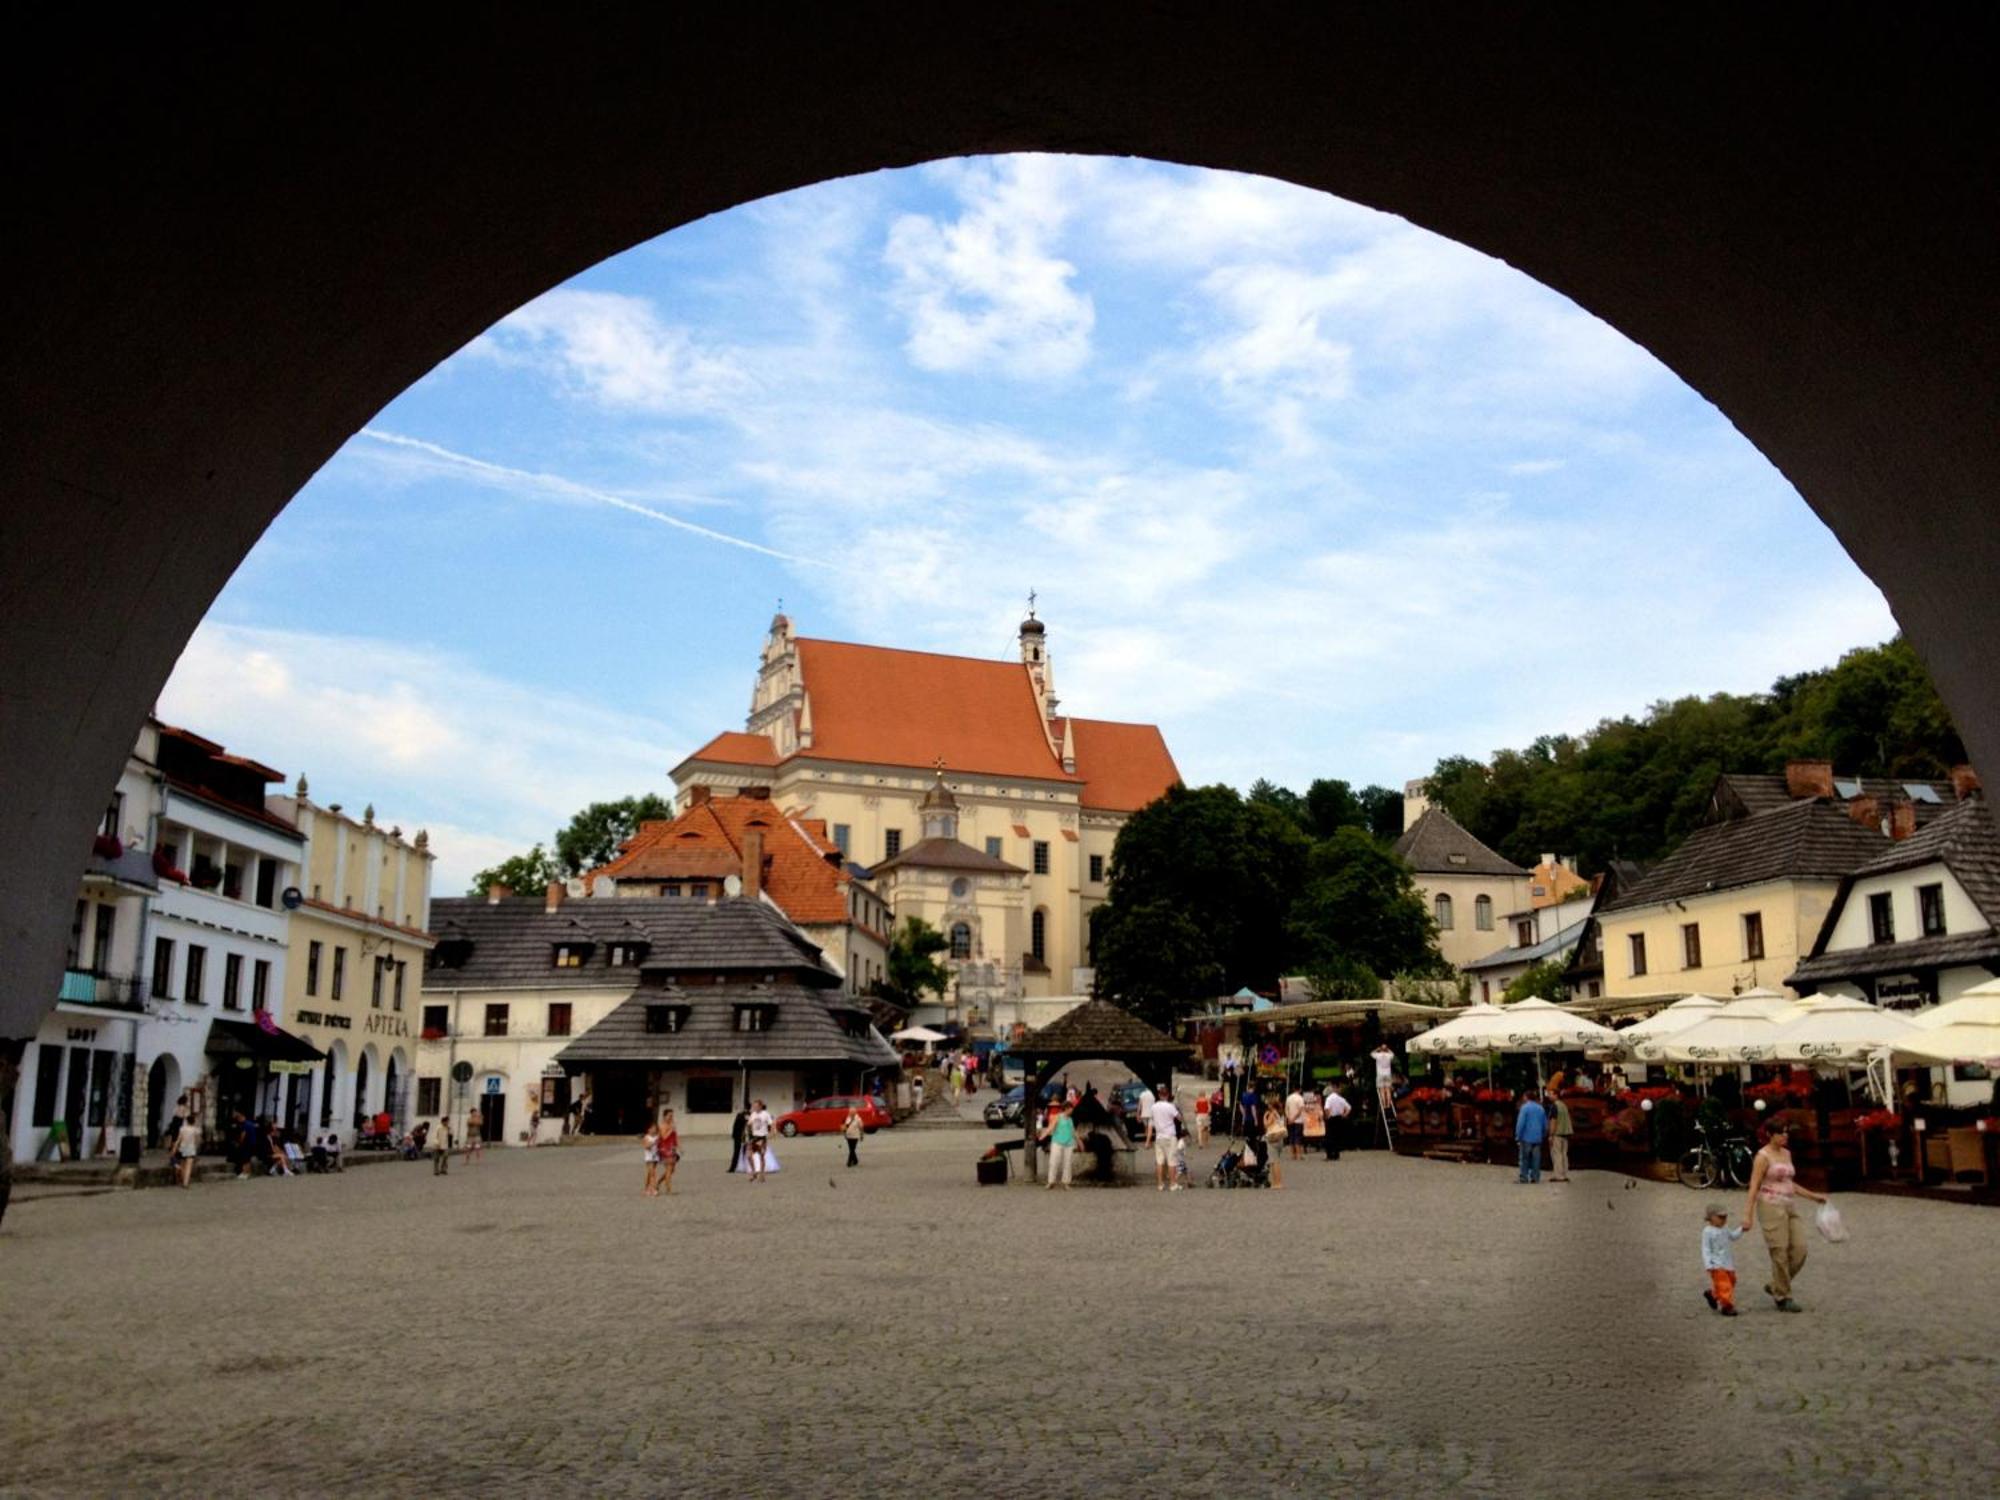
(1315,490)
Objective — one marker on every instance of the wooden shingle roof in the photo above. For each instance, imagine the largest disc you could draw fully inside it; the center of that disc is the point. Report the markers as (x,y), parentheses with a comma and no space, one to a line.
(1098,1028)
(1436,845)
(1809,838)
(805,1025)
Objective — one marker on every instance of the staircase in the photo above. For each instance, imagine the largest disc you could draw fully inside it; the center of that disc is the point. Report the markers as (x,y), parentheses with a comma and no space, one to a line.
(939,1113)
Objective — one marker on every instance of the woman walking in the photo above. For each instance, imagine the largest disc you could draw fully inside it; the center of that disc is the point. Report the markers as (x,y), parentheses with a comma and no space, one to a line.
(670,1153)
(651,1144)
(1771,1206)
(1275,1132)
(851,1128)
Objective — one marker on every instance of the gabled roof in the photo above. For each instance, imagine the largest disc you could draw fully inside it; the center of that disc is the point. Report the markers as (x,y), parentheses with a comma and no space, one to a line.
(511,941)
(1747,793)
(1123,766)
(947,854)
(706,841)
(1809,838)
(1436,845)
(1097,1028)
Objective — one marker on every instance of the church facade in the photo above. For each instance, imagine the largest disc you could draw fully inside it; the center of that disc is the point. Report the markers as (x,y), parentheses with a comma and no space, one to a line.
(858,737)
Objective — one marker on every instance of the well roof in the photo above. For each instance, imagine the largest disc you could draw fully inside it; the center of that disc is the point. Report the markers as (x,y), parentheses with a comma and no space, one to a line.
(1097,1028)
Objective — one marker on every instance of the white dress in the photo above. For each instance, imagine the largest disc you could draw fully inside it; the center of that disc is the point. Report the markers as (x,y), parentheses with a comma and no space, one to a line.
(770,1155)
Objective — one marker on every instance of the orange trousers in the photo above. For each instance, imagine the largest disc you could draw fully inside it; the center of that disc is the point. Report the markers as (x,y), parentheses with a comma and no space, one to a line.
(1723,1284)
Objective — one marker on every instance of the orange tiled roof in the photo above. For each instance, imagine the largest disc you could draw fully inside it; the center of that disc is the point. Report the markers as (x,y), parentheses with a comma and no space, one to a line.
(707,840)
(882,706)
(733,747)
(1123,766)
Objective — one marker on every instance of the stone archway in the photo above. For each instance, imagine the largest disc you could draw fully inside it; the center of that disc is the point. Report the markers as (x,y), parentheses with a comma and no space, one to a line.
(1791,217)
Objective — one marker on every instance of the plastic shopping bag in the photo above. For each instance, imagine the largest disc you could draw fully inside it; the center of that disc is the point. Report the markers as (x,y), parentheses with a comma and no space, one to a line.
(1829,1223)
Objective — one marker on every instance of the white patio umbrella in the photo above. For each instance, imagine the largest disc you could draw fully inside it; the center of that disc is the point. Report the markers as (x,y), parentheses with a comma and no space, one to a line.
(1537,1025)
(917,1034)
(1771,1002)
(1963,1030)
(1470,1031)
(1682,1014)
(1740,1031)
(1837,1029)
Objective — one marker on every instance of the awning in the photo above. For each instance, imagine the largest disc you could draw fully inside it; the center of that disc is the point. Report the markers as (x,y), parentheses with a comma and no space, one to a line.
(246,1039)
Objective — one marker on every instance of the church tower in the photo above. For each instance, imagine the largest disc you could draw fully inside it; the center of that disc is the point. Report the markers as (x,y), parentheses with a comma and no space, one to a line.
(1035,657)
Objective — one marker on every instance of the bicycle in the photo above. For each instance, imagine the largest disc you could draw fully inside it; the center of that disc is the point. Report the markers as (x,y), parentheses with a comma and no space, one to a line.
(1710,1163)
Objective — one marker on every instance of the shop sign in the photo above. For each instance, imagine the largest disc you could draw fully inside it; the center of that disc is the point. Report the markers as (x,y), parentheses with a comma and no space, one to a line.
(386,1025)
(291,1067)
(1902,992)
(307,1017)
(83,1033)
(337,1022)
(553,1070)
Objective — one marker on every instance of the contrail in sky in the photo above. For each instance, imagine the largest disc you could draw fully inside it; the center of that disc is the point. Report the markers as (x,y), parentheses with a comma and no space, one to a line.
(556,484)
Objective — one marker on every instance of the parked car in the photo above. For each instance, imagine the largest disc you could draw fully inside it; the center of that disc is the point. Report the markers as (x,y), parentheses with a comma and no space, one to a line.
(1124,1103)
(1006,1110)
(826,1116)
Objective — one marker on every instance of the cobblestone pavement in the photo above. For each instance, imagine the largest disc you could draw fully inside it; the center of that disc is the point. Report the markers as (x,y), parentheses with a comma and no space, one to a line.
(1394,1327)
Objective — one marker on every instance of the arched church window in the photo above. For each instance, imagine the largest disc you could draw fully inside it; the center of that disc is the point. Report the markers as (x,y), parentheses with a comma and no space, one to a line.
(961,940)
(1443,908)
(1038,933)
(1482,913)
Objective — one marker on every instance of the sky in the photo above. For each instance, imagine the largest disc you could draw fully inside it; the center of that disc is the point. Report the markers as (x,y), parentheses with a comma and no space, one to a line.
(1317,491)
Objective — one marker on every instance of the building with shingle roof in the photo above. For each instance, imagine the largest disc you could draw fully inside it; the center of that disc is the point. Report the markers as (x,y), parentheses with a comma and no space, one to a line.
(1469,887)
(853,736)
(635,1004)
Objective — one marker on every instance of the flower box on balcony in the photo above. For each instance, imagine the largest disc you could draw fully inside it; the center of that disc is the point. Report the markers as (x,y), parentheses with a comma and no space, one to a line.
(206,880)
(107,846)
(431,1034)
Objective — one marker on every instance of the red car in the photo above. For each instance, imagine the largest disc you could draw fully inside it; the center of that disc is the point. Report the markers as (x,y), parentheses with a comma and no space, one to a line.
(826,1116)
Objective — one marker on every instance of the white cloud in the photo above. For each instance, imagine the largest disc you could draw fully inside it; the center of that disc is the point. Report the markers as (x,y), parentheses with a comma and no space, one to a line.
(986,291)
(1535,466)
(616,350)
(484,763)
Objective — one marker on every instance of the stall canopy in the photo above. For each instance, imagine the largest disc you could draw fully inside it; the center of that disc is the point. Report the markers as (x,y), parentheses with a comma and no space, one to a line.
(921,1034)
(1095,1031)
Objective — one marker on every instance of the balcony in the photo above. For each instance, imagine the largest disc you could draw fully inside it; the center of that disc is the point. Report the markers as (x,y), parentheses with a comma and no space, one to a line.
(105,991)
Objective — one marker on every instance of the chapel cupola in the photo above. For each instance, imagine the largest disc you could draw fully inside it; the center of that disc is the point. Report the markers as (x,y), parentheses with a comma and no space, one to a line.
(939,810)
(1035,657)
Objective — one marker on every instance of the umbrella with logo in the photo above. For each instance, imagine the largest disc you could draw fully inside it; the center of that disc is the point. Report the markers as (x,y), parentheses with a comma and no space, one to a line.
(1538,1026)
(1682,1014)
(1836,1029)
(1743,1030)
(1963,1030)
(1469,1032)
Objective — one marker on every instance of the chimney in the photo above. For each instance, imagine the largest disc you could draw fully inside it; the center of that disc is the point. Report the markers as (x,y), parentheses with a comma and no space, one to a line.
(1964,782)
(698,794)
(1902,818)
(1809,778)
(555,896)
(496,893)
(753,862)
(1866,811)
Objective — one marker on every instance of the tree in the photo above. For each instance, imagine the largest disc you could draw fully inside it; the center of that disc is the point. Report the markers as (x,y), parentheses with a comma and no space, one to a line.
(594,835)
(910,970)
(1360,906)
(1544,979)
(1153,959)
(524,874)
(1331,806)
(1384,809)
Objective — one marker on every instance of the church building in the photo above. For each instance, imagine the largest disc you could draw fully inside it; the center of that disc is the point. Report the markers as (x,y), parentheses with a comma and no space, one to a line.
(1025,802)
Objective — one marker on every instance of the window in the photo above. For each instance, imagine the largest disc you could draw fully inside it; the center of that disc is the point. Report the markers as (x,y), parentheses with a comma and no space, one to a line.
(100,941)
(892,843)
(1638,942)
(751,1017)
(396,990)
(559,1018)
(232,981)
(625,955)
(76,933)
(267,882)
(430,1096)
(843,836)
(670,890)
(114,816)
(664,1020)
(1097,869)
(569,955)
(496,1020)
(1041,856)
(312,966)
(339,970)
(437,1020)
(1691,945)
(1485,992)
(1038,934)
(994,846)
(1930,910)
(380,967)
(260,985)
(1753,934)
(961,940)
(191,985)
(1482,913)
(1882,918)
(1524,933)
(163,968)
(1441,909)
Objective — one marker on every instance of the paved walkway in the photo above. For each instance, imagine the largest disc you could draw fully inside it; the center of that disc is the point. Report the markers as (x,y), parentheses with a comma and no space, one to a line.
(1381,1327)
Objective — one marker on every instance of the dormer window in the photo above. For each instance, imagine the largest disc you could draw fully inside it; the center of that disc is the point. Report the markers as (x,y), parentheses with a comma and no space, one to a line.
(755,1017)
(665,1020)
(625,955)
(570,955)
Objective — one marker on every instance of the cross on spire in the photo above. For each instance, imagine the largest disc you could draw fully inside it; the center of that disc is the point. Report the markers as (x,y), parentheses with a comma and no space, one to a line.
(1031,604)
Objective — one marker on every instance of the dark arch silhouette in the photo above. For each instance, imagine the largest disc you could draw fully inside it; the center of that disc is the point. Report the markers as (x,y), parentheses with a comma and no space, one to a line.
(238,234)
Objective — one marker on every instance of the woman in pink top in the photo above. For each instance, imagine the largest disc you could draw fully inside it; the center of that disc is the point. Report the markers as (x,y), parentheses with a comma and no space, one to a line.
(1772,1207)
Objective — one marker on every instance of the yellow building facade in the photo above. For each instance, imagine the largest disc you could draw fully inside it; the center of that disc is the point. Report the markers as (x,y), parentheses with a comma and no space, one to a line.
(356,944)
(1716,943)
(855,737)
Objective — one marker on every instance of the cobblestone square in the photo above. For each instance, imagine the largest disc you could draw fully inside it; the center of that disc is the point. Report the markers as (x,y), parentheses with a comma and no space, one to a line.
(532,1324)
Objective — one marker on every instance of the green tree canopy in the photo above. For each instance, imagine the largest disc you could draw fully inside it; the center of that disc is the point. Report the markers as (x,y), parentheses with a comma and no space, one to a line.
(911,969)
(1360,905)
(524,874)
(593,835)
(1544,979)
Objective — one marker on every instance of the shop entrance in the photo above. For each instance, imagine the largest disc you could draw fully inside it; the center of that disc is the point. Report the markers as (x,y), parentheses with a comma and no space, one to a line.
(493,1118)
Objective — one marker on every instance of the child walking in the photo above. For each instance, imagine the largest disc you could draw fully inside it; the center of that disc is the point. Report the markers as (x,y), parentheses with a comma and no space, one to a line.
(1719,1259)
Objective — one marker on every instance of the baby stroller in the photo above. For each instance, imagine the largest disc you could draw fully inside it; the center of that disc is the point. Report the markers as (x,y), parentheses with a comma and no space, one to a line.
(1240,1166)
